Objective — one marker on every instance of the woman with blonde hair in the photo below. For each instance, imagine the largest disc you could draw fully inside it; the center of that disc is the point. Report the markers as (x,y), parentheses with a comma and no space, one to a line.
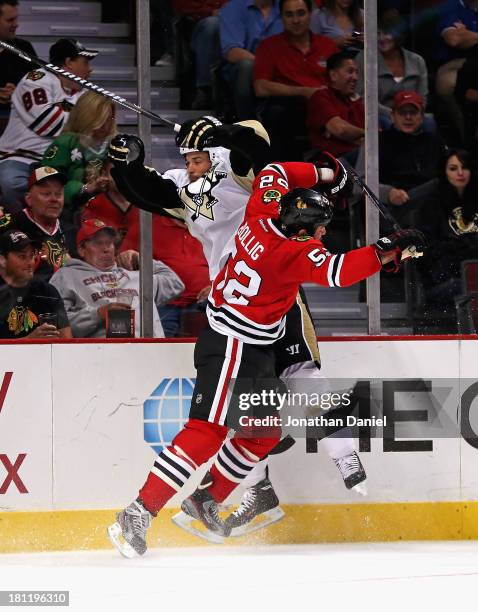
(80,151)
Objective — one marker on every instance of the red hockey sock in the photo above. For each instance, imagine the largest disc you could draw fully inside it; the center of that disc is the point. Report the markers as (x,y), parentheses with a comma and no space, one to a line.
(195,444)
(237,457)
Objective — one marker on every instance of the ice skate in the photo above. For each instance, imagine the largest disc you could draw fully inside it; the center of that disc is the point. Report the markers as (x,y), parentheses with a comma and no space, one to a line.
(353,473)
(201,506)
(259,500)
(128,534)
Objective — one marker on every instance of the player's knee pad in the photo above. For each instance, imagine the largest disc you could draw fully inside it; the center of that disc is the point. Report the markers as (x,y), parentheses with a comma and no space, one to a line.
(199,440)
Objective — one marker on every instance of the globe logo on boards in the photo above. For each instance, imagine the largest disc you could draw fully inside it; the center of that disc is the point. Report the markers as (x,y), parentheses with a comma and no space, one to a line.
(166,411)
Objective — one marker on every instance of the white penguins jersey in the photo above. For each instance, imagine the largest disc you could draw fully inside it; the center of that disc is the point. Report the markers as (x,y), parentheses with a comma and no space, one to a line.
(40,108)
(214,206)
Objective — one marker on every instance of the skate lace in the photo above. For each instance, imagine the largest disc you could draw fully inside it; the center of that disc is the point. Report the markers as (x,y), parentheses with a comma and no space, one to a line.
(247,502)
(348,465)
(141,522)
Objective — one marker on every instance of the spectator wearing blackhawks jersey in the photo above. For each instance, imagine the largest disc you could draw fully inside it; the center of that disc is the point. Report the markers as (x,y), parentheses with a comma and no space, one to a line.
(40,107)
(40,220)
(211,196)
(23,299)
(248,305)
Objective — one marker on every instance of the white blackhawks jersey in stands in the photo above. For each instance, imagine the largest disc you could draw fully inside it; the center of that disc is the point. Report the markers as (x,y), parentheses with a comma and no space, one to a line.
(215,204)
(40,108)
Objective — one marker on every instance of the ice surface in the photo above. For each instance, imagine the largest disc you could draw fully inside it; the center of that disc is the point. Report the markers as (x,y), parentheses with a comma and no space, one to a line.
(406,576)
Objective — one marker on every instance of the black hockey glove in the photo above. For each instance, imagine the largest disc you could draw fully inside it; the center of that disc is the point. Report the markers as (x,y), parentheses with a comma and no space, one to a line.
(197,133)
(404,244)
(333,178)
(126,149)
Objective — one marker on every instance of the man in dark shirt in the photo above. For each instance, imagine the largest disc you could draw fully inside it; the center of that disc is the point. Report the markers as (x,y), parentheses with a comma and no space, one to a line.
(12,68)
(40,219)
(408,155)
(28,308)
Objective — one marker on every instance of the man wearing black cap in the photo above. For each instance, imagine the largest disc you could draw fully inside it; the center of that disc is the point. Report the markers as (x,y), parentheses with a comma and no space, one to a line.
(40,219)
(28,307)
(40,108)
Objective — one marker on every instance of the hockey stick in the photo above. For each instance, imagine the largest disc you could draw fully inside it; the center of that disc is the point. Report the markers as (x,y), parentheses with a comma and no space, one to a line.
(35,61)
(386,214)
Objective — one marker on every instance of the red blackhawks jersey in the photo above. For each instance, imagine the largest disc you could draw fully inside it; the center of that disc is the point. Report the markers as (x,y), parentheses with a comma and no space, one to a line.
(259,284)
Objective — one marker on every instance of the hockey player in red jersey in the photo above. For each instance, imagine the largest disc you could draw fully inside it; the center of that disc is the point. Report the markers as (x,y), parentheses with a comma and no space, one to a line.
(247,309)
(210,195)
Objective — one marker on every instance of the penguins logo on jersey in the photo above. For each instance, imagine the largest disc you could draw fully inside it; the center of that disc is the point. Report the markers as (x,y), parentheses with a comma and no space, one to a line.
(197,196)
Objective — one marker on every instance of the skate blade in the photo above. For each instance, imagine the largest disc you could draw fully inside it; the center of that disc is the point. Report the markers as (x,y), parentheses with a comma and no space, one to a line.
(264,520)
(183,520)
(114,534)
(361,489)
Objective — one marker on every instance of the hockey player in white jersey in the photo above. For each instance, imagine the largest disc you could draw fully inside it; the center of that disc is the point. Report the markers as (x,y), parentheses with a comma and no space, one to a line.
(210,195)
(40,107)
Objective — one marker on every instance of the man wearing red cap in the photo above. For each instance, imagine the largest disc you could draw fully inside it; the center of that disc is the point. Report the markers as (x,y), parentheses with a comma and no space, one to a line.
(93,283)
(409,156)
(40,219)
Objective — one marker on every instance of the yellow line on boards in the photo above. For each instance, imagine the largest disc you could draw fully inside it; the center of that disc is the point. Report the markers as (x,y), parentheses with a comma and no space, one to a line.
(303,524)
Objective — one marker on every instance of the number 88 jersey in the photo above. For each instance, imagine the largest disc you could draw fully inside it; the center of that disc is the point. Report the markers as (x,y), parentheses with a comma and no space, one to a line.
(259,284)
(40,108)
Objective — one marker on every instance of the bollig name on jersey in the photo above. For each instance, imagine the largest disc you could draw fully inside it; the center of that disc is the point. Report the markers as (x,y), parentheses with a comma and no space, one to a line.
(251,245)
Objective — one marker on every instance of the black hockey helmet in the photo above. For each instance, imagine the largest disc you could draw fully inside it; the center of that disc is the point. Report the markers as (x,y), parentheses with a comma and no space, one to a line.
(303,209)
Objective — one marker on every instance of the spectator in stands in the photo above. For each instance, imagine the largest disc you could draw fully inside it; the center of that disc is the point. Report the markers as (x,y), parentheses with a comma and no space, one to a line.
(40,220)
(94,283)
(398,68)
(23,299)
(341,20)
(111,207)
(12,68)
(40,106)
(80,151)
(162,33)
(174,245)
(466,93)
(243,24)
(288,69)
(458,29)
(335,116)
(450,219)
(408,155)
(204,16)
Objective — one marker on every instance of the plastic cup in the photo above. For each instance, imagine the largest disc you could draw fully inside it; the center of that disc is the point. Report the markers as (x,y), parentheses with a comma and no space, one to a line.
(48,317)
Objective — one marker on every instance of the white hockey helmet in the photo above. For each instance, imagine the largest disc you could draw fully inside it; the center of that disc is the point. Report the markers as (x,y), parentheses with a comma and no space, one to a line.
(211,150)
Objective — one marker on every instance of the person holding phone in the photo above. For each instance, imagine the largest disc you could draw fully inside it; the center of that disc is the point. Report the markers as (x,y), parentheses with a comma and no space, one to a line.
(28,308)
